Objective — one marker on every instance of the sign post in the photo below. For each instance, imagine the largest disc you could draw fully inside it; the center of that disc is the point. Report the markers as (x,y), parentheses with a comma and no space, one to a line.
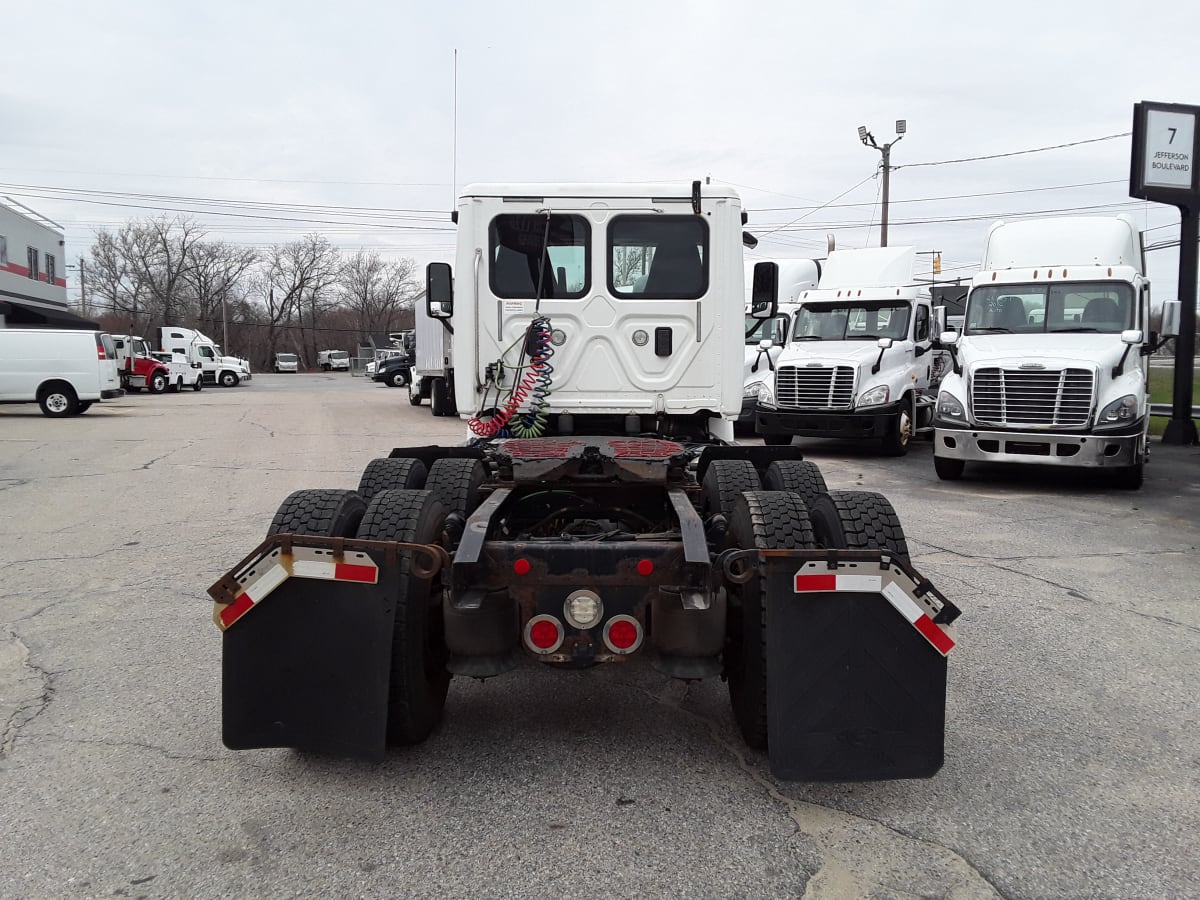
(1163,168)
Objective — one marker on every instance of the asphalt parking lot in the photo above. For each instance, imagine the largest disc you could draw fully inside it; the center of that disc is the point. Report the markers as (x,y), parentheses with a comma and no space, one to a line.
(1072,764)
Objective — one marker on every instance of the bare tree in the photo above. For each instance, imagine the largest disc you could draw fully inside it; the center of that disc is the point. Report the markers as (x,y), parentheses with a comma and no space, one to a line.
(161,253)
(215,278)
(378,292)
(114,285)
(295,273)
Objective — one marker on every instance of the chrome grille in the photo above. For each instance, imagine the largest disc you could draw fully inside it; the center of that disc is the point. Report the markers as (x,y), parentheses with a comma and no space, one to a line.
(827,387)
(1058,398)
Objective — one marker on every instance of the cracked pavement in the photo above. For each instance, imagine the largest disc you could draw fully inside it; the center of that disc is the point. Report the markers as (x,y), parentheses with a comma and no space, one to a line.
(1071,761)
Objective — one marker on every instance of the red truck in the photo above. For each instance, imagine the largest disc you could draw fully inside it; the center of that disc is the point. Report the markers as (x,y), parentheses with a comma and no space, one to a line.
(137,367)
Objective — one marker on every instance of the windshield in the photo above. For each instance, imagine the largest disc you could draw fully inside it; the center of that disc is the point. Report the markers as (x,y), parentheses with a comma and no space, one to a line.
(1101,306)
(866,321)
(287,357)
(339,354)
(758,329)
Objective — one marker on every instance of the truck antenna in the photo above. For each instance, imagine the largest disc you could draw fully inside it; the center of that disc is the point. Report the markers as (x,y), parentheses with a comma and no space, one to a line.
(454,141)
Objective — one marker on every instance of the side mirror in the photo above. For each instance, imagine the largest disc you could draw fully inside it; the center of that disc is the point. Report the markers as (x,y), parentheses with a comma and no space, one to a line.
(439,290)
(1170,319)
(766,344)
(1131,336)
(939,319)
(883,343)
(764,295)
(948,338)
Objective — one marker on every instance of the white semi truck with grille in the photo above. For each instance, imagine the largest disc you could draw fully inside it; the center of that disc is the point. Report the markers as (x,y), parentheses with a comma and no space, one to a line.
(860,360)
(599,515)
(1050,367)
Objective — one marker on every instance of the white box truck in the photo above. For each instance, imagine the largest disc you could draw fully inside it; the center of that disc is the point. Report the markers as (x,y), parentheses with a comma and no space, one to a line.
(433,372)
(1050,367)
(333,360)
(227,371)
(63,371)
(859,361)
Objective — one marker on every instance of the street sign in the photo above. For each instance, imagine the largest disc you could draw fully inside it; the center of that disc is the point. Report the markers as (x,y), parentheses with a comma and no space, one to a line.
(1163,167)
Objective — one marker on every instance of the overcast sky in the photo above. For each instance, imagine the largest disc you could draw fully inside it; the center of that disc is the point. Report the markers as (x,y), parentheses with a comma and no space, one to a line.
(285,106)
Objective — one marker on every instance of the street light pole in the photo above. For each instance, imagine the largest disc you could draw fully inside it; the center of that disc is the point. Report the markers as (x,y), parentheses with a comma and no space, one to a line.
(868,140)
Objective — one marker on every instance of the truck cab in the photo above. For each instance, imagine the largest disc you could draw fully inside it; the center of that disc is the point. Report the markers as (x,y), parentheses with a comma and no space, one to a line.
(1050,366)
(859,361)
(765,338)
(227,371)
(287,362)
(138,367)
(640,299)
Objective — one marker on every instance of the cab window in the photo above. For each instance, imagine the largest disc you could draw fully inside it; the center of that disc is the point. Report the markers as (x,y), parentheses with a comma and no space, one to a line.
(532,255)
(658,257)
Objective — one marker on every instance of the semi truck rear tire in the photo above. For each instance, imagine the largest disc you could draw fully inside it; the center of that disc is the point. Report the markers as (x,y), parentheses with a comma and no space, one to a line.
(419,679)
(456,484)
(391,474)
(857,520)
(322,512)
(764,520)
(724,481)
(796,475)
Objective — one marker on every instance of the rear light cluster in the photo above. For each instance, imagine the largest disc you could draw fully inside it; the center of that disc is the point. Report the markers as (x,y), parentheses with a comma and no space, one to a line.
(622,634)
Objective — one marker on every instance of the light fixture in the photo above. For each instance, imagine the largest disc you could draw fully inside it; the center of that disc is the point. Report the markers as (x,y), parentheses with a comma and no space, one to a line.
(901,126)
(862,133)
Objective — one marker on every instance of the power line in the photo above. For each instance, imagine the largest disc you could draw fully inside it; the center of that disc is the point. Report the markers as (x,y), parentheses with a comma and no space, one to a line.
(810,212)
(947,162)
(1059,187)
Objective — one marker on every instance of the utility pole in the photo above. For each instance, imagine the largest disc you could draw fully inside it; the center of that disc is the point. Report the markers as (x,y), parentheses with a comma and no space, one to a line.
(83,307)
(868,140)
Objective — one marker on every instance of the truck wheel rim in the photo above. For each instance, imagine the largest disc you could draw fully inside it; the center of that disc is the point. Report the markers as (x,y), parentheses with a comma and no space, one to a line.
(904,425)
(57,402)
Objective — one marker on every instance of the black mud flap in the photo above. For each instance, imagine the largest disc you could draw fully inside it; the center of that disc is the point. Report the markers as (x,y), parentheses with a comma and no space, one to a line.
(307,664)
(856,689)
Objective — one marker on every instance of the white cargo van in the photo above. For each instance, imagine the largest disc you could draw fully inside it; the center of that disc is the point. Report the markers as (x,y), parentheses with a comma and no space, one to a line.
(63,371)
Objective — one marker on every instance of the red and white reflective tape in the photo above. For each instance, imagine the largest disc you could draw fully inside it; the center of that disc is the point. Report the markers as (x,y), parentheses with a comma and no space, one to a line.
(305,563)
(895,594)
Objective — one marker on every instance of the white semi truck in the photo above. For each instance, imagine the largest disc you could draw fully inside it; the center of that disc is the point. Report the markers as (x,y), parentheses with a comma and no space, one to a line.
(600,515)
(1050,367)
(432,376)
(227,371)
(765,338)
(859,361)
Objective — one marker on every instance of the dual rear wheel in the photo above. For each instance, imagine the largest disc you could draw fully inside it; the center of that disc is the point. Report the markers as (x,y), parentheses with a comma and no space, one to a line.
(399,500)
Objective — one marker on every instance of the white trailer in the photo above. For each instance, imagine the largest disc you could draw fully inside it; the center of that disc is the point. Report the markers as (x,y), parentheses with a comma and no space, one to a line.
(433,370)
(859,361)
(1050,367)
(32,266)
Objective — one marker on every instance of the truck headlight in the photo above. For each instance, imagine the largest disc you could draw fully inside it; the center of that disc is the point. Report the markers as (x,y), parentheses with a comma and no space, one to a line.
(761,391)
(875,396)
(1119,412)
(948,407)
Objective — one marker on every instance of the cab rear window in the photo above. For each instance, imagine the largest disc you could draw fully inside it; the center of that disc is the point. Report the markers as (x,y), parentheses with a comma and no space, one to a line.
(533,255)
(658,257)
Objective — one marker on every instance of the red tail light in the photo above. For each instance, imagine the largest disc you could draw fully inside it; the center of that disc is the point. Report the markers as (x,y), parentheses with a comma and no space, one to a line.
(544,634)
(623,634)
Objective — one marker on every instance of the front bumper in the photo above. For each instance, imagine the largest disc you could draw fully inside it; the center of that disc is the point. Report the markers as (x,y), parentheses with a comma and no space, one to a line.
(1039,447)
(874,422)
